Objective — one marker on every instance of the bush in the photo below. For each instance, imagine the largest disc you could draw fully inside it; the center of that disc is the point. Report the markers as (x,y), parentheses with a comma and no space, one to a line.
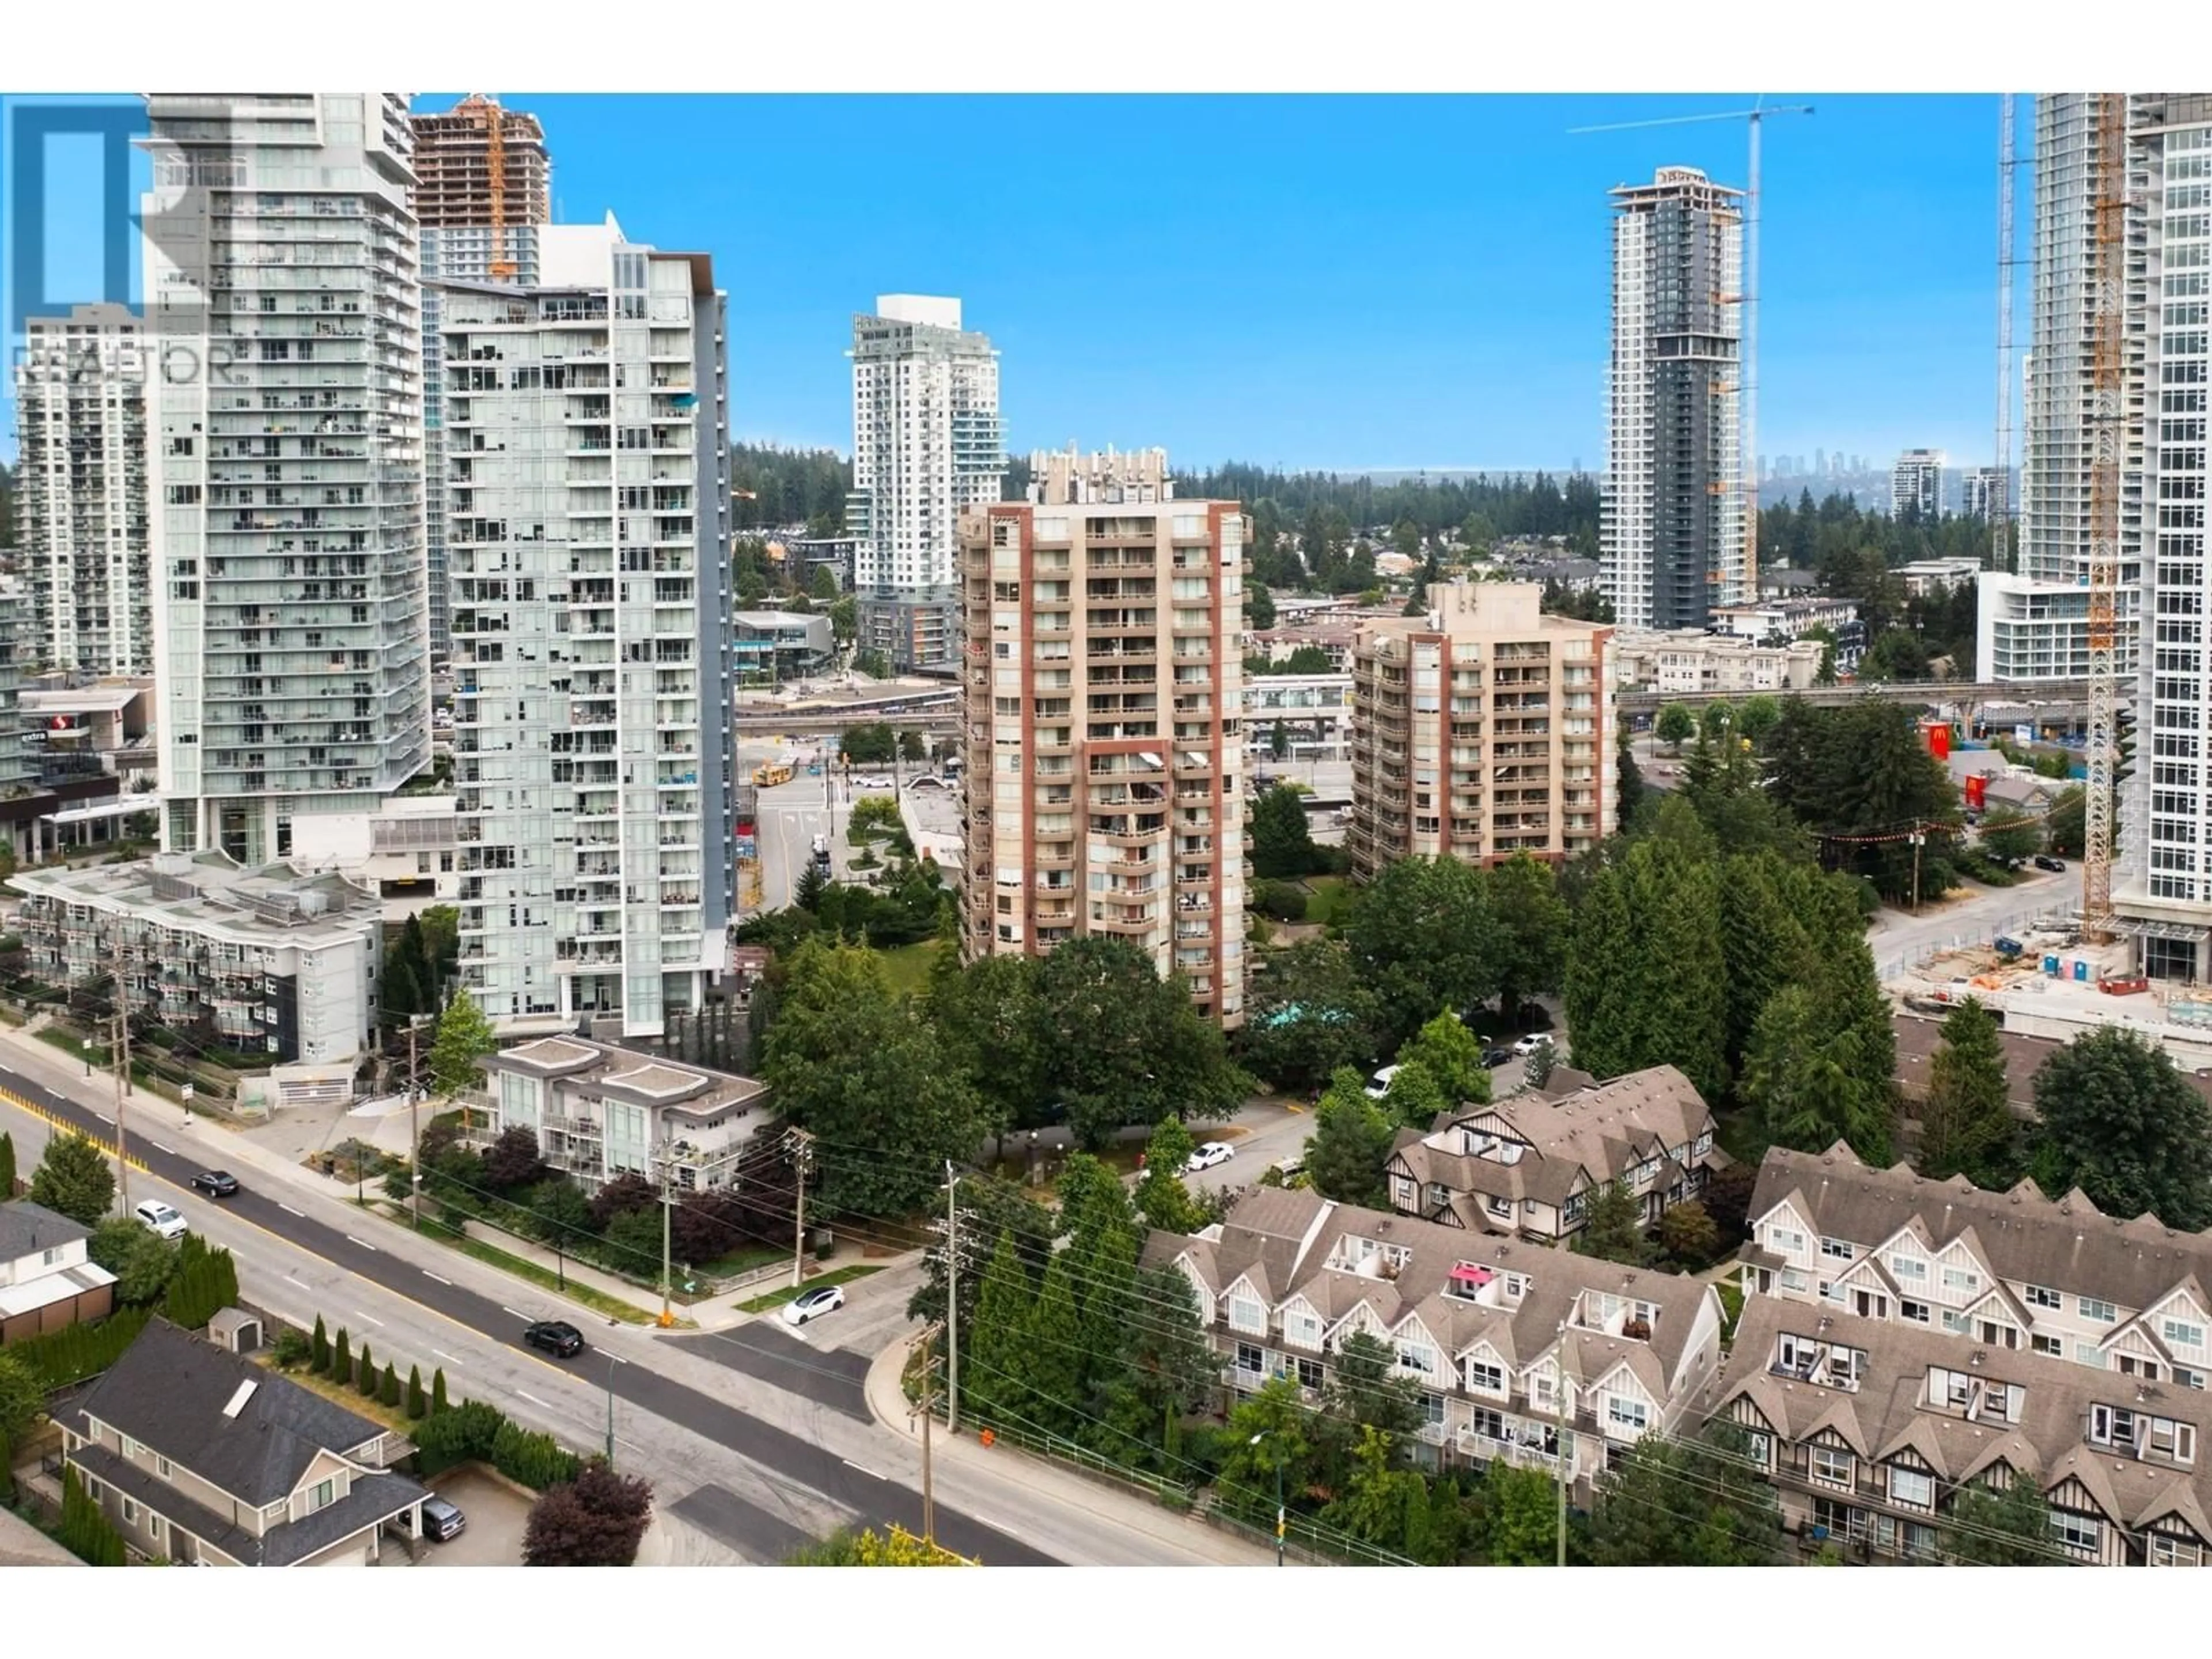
(321,1356)
(595,1521)
(204,1284)
(458,1434)
(294,1349)
(438,1402)
(85,1531)
(1281,901)
(387,1390)
(341,1359)
(537,1461)
(418,1407)
(78,1351)
(364,1373)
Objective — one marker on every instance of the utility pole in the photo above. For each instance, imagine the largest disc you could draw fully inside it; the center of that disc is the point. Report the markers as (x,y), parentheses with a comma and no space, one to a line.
(611,1363)
(951,1300)
(667,1214)
(928,1411)
(121,1069)
(414,1127)
(1560,1463)
(1917,839)
(802,1150)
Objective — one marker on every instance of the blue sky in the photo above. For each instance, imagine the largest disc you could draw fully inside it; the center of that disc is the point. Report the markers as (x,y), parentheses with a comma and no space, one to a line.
(1343,282)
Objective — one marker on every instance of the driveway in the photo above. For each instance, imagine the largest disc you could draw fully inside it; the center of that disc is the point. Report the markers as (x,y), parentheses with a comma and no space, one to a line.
(493,1537)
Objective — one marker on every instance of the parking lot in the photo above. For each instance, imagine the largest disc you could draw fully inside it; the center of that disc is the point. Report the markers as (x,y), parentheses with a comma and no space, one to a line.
(496,1515)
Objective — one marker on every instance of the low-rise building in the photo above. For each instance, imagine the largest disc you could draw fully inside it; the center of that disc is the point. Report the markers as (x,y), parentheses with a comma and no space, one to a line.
(781,645)
(599,1112)
(261,961)
(200,1457)
(1689,661)
(1314,711)
(1532,1165)
(46,1279)
(1870,1430)
(91,727)
(1923,577)
(1521,1352)
(2028,629)
(2015,1270)
(406,851)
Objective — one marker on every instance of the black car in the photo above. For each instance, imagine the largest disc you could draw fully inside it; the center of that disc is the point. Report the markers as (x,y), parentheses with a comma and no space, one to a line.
(441,1520)
(557,1336)
(2044,861)
(1496,1055)
(215,1184)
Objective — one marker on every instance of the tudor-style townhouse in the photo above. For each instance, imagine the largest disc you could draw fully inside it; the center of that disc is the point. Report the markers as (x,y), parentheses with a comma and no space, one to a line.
(1869,1430)
(200,1457)
(1535,1163)
(1486,1326)
(2014,1270)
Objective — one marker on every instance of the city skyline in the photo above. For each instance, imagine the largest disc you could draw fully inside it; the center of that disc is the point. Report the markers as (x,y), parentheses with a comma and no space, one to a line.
(1406,319)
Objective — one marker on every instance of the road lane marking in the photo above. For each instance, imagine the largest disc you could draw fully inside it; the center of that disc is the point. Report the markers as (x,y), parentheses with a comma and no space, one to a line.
(358,1314)
(159,1147)
(288,1210)
(364,1243)
(288,1279)
(850,1464)
(511,1313)
(532,1398)
(447,1283)
(447,1357)
(618,1360)
(104,1118)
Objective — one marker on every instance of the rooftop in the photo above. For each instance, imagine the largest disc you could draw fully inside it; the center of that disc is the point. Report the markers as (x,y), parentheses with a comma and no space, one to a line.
(208,893)
(625,1073)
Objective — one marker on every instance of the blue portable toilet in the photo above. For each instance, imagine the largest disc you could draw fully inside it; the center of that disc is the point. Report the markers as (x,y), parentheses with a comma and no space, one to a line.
(2082,967)
(2050,966)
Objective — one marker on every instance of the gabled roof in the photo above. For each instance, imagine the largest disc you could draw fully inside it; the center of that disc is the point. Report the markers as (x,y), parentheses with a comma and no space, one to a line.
(174,1393)
(27,1229)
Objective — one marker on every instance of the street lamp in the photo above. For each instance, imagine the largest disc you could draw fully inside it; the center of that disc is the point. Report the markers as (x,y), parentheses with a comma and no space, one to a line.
(1280,1514)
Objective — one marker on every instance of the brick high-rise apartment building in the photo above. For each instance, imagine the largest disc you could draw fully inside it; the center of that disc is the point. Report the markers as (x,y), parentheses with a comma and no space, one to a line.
(1104,697)
(1482,729)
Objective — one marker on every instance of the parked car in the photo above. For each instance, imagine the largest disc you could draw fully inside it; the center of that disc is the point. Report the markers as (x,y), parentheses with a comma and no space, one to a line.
(557,1336)
(1208,1156)
(441,1520)
(1379,1084)
(1496,1055)
(161,1217)
(2044,861)
(813,1304)
(872,780)
(215,1184)
(1529,1045)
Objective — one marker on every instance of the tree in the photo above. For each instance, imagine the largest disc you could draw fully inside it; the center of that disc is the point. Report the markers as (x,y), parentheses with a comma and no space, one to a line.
(2117,1120)
(1452,1056)
(1282,844)
(1259,605)
(990,1381)
(22,1396)
(1675,725)
(387,1388)
(1414,1099)
(398,996)
(1279,743)
(598,1520)
(987,1017)
(1350,1145)
(1532,931)
(1614,1229)
(1379,1498)
(2064,825)
(626,1191)
(1307,1015)
(513,1160)
(438,1402)
(341,1359)
(2006,1528)
(813,883)
(73,1179)
(140,1258)
(1646,982)
(2008,836)
(1521,1509)
(320,1350)
(1756,718)
(1270,1449)
(824,585)
(7,1166)
(1422,937)
(855,1064)
(1162,1198)
(417,1407)
(364,1371)
(1698,1502)
(1966,1125)
(1810,1080)
(1689,1234)
(463,1036)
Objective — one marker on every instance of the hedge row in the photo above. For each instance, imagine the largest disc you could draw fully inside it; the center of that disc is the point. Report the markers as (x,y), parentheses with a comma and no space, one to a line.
(86,1532)
(77,1351)
(473,1431)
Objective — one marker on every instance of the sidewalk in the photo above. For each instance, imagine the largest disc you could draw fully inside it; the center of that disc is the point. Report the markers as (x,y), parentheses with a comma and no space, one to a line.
(1101,1498)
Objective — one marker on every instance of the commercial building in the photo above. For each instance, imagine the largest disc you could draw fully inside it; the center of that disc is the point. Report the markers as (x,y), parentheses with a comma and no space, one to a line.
(588,512)
(1313,710)
(1671,538)
(1925,576)
(927,447)
(291,637)
(1688,661)
(483,188)
(1104,706)
(1871,1430)
(2162,877)
(81,473)
(1916,486)
(264,961)
(600,1112)
(1480,729)
(781,645)
(1534,1357)
(201,1457)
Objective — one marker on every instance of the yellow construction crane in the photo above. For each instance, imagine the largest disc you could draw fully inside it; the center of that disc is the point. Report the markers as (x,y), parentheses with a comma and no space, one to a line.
(2108,220)
(502,268)
(1747,376)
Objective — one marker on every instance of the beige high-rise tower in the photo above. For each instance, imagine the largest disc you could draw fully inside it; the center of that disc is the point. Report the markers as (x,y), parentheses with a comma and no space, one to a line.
(1104,703)
(1482,729)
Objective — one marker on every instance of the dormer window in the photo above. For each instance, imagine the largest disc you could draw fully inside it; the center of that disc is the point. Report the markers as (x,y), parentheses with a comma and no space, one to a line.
(1467,1280)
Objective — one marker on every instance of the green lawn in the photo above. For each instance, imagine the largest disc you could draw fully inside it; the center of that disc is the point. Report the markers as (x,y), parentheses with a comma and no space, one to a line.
(783,1294)
(908,967)
(1331,894)
(64,1038)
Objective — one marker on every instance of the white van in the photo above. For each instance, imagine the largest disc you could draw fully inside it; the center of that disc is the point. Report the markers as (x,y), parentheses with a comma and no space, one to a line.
(1379,1084)
(161,1217)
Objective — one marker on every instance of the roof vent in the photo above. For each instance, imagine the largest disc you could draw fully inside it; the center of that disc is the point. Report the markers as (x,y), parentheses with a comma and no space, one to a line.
(238,1400)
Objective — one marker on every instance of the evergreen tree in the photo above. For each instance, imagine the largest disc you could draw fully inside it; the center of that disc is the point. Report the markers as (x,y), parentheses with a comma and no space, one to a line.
(417,1407)
(438,1401)
(1966,1126)
(1532,926)
(2117,1119)
(1811,1082)
(1688,1503)
(2007,1528)
(364,1372)
(1521,1516)
(1162,1198)
(322,1349)
(1613,1229)
(7,1166)
(1350,1143)
(1052,1361)
(74,1179)
(991,1380)
(341,1359)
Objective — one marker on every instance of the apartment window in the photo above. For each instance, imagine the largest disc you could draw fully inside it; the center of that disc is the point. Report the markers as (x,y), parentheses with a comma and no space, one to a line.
(2185,1378)
(1250,1357)
(1625,1413)
(322,1495)
(130,1513)
(1958,1278)
(2097,1307)
(1915,1311)
(2078,1535)
(2167,1551)
(1913,1488)
(1784,1241)
(1839,1248)
(155,1526)
(2040,1296)
(2048,1344)
(1902,1268)
(1246,1315)
(1831,1467)
(2183,1333)
(162,1467)
(1483,1378)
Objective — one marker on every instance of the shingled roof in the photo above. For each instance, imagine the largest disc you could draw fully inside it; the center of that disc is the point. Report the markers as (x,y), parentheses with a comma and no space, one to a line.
(27,1229)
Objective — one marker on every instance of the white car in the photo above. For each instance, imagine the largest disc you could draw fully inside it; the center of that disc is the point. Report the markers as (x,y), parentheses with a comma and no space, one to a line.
(1211,1154)
(871,781)
(1529,1045)
(813,1304)
(161,1217)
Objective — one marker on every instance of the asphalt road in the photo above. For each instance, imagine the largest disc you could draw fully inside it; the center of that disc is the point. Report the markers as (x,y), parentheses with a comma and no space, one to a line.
(807,1465)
